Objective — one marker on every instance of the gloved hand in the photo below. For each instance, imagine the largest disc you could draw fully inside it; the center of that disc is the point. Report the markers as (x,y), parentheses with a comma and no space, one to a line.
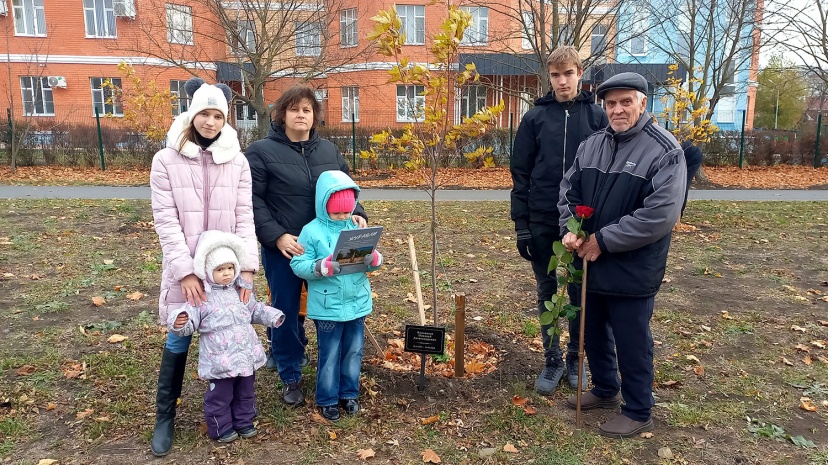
(373,259)
(326,267)
(524,243)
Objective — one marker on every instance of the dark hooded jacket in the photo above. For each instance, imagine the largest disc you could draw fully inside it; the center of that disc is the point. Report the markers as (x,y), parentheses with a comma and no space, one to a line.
(284,181)
(545,145)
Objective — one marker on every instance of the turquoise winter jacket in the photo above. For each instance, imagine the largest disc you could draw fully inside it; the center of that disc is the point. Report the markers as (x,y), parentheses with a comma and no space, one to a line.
(339,297)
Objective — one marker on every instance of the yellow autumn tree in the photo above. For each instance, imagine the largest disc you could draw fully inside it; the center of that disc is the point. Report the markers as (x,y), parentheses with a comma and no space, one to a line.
(685,113)
(432,138)
(147,109)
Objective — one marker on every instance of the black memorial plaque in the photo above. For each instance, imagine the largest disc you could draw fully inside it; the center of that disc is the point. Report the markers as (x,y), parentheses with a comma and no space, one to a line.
(425,339)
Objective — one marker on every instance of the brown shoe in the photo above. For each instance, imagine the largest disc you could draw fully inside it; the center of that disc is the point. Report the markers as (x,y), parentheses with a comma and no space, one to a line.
(590,401)
(624,427)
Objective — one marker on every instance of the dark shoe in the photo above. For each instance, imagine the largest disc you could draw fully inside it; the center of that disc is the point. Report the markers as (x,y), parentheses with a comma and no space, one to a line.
(351,406)
(292,394)
(170,379)
(229,436)
(271,363)
(549,378)
(590,401)
(572,371)
(625,427)
(305,360)
(248,432)
(331,412)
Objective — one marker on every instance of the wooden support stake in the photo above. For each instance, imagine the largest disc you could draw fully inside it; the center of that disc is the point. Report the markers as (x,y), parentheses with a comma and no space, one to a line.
(374,341)
(416,272)
(581,348)
(459,334)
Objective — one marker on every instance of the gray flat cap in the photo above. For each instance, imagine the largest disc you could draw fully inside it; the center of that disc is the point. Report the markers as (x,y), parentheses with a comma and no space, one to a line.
(632,81)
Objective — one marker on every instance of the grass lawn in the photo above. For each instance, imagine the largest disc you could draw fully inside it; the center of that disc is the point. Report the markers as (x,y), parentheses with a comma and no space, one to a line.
(740,325)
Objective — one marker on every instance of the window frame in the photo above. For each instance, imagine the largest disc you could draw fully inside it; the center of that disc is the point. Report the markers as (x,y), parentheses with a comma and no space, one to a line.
(528,25)
(479,26)
(46,96)
(117,110)
(182,100)
(245,37)
(181,34)
(348,28)
(479,101)
(417,13)
(410,104)
(602,43)
(19,17)
(304,31)
(350,100)
(103,18)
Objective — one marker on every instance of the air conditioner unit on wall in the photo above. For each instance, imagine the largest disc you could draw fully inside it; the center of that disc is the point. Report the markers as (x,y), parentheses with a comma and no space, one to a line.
(4,9)
(57,81)
(124,8)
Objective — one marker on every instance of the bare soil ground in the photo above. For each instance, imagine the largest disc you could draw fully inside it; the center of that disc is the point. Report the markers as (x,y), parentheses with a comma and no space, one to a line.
(740,323)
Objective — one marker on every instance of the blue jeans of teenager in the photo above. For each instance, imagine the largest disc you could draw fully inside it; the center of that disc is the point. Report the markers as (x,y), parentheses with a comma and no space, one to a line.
(618,339)
(340,359)
(287,341)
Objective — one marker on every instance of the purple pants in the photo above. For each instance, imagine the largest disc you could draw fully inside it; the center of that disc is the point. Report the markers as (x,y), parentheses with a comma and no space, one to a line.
(229,403)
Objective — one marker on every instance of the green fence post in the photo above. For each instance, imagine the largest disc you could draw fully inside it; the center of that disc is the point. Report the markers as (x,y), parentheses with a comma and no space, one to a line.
(816,144)
(100,138)
(511,135)
(353,139)
(742,142)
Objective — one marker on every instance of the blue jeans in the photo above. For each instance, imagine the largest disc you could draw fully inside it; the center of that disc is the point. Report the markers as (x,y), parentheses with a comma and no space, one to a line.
(178,344)
(287,341)
(340,359)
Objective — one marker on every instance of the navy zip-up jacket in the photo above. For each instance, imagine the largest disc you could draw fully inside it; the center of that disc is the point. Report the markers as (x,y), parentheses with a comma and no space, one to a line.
(545,146)
(635,180)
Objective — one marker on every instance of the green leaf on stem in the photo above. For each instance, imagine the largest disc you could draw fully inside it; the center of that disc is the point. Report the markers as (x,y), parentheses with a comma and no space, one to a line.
(550,306)
(554,298)
(573,225)
(553,263)
(558,248)
(566,258)
(570,311)
(547,318)
(562,280)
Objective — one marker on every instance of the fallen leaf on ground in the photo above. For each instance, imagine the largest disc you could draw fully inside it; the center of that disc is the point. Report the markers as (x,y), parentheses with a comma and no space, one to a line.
(103,419)
(365,454)
(84,414)
(429,456)
(823,322)
(529,410)
(135,296)
(509,448)
(802,348)
(820,344)
(332,435)
(669,383)
(797,328)
(726,315)
(822,359)
(665,453)
(806,404)
(98,301)
(429,420)
(116,338)
(47,462)
(517,400)
(693,358)
(807,360)
(698,370)
(646,435)
(25,370)
(315,416)
(787,362)
(705,328)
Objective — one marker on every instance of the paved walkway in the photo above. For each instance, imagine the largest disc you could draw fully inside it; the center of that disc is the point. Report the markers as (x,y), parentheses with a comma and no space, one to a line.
(100,192)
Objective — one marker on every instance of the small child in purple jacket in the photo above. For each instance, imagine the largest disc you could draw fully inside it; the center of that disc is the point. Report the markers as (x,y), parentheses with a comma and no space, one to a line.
(230,351)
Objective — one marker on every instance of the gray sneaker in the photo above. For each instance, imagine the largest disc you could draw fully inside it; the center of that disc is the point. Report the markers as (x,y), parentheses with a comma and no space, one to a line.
(271,363)
(549,378)
(572,371)
(292,394)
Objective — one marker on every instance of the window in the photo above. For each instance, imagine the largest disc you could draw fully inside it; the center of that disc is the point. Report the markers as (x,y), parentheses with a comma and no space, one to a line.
(348,27)
(308,39)
(598,40)
(729,81)
(350,103)
(182,101)
(564,36)
(99,16)
(478,32)
(413,23)
(244,39)
(37,96)
(726,109)
(29,17)
(638,30)
(528,26)
(472,100)
(104,98)
(179,24)
(244,112)
(410,103)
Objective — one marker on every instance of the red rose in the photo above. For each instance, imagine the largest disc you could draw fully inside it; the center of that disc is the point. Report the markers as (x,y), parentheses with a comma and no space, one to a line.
(582,211)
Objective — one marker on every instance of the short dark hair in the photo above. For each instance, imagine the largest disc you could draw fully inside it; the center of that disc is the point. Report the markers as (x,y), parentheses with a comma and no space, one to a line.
(291,97)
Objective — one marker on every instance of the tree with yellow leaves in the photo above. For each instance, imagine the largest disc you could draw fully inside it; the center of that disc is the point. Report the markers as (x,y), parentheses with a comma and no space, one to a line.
(147,109)
(685,114)
(432,138)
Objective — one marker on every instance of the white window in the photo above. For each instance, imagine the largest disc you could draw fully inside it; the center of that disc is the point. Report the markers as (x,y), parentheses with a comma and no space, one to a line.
(472,100)
(638,30)
(478,32)
(29,17)
(182,101)
(105,99)
(413,23)
(598,40)
(726,109)
(244,112)
(99,16)
(245,37)
(37,96)
(528,29)
(350,103)
(348,27)
(308,39)
(410,103)
(179,24)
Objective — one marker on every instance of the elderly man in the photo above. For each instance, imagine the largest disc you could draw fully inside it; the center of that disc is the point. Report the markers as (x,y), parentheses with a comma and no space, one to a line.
(634,175)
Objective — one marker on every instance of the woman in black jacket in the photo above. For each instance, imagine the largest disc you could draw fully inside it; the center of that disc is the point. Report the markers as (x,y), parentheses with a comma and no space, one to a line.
(285,166)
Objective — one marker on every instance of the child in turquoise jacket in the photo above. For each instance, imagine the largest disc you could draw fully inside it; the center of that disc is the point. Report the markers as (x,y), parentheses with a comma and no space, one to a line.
(337,304)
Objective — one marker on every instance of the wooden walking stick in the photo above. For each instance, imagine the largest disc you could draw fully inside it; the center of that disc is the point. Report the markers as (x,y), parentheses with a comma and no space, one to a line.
(581,348)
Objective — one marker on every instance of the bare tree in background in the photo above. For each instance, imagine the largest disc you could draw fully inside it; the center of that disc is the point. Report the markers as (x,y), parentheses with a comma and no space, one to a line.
(806,35)
(256,41)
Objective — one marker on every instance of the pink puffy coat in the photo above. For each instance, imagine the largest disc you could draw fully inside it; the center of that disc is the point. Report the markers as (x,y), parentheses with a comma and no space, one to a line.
(183,208)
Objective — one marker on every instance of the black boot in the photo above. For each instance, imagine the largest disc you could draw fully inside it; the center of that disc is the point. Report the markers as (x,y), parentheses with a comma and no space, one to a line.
(170,379)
